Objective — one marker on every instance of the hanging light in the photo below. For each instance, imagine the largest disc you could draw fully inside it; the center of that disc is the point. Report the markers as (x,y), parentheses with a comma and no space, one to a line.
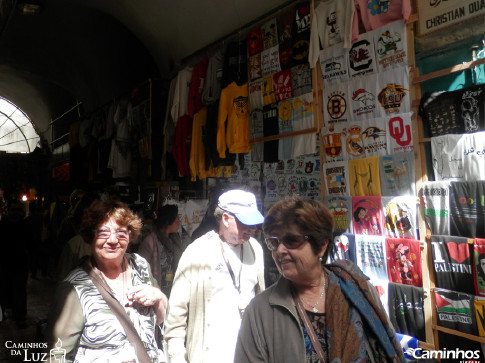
(30,8)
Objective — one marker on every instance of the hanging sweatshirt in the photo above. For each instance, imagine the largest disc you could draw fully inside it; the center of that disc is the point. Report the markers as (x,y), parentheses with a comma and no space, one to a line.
(233,120)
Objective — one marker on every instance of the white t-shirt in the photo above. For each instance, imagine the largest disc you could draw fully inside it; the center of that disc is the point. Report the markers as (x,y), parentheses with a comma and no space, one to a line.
(225,301)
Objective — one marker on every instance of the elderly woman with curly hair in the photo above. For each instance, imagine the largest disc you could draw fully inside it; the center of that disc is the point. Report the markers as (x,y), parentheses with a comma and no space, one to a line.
(111,302)
(315,312)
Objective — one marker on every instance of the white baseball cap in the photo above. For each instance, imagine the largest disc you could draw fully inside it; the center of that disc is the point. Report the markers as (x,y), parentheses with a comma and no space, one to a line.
(243,205)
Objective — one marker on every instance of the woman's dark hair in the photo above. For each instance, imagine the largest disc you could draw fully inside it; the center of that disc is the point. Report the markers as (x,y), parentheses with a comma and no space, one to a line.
(356,213)
(310,216)
(166,215)
(99,212)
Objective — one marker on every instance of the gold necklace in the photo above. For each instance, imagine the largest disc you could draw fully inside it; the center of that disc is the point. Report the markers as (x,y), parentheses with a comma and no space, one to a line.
(314,306)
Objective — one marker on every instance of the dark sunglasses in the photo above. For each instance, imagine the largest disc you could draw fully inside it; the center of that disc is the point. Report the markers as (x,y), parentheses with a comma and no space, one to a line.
(291,241)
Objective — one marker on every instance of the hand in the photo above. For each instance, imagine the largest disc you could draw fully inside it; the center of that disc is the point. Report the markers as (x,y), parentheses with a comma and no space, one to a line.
(145,295)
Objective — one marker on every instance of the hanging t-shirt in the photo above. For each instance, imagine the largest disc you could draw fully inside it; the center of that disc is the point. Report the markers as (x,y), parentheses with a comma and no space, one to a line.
(390,44)
(373,15)
(335,101)
(255,41)
(254,67)
(235,66)
(399,134)
(362,61)
(343,248)
(467,209)
(374,137)
(269,32)
(403,257)
(197,86)
(270,61)
(455,310)
(367,215)
(393,91)
(331,24)
(440,114)
(270,128)
(301,78)
(285,123)
(283,86)
(336,178)
(257,132)
(363,102)
(302,120)
(479,304)
(256,94)
(334,137)
(268,90)
(371,257)
(471,107)
(452,263)
(400,216)
(341,208)
(436,201)
(212,84)
(334,64)
(364,177)
(180,101)
(397,174)
(406,310)
(479,266)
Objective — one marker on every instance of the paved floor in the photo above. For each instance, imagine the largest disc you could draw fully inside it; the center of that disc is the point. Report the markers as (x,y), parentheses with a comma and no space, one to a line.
(40,292)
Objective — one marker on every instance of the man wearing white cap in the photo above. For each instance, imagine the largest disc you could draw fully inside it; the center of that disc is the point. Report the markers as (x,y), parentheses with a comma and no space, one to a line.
(217,276)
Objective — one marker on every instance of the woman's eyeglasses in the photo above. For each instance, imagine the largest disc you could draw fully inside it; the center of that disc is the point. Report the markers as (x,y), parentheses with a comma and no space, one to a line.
(291,241)
(121,234)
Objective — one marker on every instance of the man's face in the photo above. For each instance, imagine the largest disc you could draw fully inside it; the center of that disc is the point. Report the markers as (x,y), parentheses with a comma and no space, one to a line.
(234,232)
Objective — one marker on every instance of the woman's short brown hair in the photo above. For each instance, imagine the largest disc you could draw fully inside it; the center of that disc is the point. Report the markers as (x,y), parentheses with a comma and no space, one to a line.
(99,212)
(312,217)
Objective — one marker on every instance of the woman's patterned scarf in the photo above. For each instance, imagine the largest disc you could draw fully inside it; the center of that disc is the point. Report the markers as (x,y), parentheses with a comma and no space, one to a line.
(349,300)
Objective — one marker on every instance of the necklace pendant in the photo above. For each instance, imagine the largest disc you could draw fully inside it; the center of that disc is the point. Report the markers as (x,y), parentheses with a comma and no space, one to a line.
(315,310)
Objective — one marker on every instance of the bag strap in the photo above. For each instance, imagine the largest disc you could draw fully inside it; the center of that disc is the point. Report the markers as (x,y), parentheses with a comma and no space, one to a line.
(120,312)
(309,328)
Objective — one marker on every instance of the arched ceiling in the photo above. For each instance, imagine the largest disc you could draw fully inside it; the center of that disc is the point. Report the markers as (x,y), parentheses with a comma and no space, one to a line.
(93,50)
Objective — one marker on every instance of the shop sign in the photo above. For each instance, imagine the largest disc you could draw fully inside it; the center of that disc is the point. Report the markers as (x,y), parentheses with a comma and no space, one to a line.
(438,14)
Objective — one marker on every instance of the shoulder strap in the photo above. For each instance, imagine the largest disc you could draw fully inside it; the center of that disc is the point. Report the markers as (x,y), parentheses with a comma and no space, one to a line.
(121,314)
(309,328)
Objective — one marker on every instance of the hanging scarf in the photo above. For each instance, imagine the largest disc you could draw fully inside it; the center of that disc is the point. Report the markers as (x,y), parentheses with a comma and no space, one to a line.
(349,299)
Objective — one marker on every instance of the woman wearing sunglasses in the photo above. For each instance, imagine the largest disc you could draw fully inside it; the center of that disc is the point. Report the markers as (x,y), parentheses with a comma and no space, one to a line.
(111,302)
(314,312)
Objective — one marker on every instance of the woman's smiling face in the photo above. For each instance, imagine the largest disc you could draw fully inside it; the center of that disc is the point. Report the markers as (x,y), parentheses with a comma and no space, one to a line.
(112,246)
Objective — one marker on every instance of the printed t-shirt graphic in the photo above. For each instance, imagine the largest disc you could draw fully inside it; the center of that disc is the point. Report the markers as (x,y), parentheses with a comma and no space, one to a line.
(367,215)
(399,133)
(479,305)
(354,142)
(374,137)
(268,91)
(335,101)
(399,216)
(374,14)
(467,209)
(471,106)
(255,41)
(479,266)
(256,94)
(439,112)
(455,310)
(364,176)
(334,64)
(459,157)
(269,33)
(270,61)
(341,208)
(363,103)
(404,261)
(336,178)
(390,42)
(331,25)
(302,120)
(334,142)
(393,91)
(254,67)
(283,86)
(397,174)
(285,22)
(452,263)
(371,257)
(362,60)
(343,247)
(436,202)
(301,77)
(406,309)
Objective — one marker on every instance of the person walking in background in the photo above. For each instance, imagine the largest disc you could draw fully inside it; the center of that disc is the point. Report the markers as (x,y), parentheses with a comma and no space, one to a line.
(209,222)
(217,276)
(314,312)
(112,301)
(163,247)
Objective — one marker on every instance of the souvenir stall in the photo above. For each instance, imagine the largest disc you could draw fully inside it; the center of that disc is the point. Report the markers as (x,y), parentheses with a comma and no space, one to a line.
(324,99)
